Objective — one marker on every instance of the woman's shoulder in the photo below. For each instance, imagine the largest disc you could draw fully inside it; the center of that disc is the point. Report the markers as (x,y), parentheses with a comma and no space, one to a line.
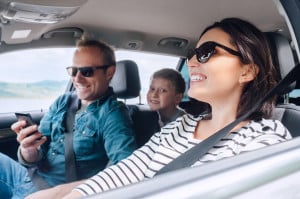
(188,119)
(263,124)
(186,123)
(269,126)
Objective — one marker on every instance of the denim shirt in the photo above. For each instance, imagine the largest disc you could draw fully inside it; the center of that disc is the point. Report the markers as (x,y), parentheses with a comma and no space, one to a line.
(102,132)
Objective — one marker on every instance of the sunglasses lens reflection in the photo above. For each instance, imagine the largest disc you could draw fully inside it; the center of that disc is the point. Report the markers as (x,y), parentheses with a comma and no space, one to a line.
(86,71)
(203,53)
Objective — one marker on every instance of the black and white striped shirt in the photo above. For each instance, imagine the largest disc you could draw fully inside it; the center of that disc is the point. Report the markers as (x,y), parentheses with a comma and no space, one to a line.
(173,140)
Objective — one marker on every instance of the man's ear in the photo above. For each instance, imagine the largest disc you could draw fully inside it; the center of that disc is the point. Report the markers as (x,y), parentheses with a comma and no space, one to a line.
(249,72)
(110,71)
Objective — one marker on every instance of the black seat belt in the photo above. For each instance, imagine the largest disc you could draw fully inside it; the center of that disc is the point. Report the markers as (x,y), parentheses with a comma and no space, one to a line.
(189,157)
(70,163)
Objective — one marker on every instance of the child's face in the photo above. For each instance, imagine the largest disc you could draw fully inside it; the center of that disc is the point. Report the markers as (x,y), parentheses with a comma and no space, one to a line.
(162,95)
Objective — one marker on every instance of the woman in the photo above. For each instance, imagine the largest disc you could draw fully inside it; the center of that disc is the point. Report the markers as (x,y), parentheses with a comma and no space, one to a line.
(165,93)
(230,69)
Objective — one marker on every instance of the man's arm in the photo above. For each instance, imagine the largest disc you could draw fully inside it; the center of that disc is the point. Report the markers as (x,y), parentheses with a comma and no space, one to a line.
(119,138)
(74,194)
(57,192)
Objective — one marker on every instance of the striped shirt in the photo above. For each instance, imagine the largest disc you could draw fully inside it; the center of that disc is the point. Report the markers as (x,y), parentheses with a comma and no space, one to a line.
(173,140)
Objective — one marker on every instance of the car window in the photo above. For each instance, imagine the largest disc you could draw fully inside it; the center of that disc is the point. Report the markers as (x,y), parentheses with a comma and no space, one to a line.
(295,93)
(147,63)
(185,73)
(33,79)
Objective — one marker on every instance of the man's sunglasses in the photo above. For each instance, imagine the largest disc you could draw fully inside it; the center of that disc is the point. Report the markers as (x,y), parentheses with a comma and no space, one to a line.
(87,71)
(207,49)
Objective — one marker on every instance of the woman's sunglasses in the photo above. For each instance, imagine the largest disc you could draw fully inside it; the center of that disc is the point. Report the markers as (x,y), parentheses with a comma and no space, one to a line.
(87,71)
(207,49)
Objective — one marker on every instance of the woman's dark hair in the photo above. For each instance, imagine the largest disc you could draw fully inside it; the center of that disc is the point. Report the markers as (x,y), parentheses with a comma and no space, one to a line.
(254,48)
(173,76)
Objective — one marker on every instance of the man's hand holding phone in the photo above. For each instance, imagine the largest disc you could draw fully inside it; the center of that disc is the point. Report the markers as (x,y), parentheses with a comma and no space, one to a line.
(28,136)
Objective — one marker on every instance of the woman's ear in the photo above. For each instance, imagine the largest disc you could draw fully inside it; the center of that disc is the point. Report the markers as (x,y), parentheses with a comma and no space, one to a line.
(249,72)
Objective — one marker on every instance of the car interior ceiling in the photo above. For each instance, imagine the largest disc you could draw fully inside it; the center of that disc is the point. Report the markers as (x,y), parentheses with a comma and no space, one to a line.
(127,32)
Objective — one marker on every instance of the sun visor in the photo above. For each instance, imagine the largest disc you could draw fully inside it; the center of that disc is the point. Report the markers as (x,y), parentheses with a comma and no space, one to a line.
(39,12)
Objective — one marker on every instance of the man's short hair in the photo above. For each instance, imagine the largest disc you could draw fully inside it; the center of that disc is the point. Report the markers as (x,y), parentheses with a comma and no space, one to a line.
(108,53)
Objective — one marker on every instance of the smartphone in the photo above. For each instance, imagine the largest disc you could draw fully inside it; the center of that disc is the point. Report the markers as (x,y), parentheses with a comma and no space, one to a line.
(25,116)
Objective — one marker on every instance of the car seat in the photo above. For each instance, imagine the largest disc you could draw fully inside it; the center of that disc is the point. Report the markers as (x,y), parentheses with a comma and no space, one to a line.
(286,112)
(126,85)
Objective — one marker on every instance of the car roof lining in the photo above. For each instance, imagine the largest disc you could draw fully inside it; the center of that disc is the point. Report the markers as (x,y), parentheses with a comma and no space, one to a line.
(141,25)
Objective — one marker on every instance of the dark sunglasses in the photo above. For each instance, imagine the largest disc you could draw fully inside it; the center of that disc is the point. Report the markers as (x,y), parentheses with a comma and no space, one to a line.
(207,49)
(87,71)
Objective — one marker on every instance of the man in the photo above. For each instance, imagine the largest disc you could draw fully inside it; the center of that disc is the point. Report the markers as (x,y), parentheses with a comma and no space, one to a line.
(102,128)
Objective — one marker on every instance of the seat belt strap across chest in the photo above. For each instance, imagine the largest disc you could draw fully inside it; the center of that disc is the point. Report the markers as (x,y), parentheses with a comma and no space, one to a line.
(192,155)
(70,163)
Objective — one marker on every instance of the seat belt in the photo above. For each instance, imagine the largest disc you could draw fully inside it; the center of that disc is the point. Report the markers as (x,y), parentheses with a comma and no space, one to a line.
(70,163)
(189,157)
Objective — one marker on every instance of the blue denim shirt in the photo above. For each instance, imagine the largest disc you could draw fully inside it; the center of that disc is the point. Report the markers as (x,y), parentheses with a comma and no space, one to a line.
(102,132)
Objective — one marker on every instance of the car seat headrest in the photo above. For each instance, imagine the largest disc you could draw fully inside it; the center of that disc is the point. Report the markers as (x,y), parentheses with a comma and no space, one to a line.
(282,56)
(126,80)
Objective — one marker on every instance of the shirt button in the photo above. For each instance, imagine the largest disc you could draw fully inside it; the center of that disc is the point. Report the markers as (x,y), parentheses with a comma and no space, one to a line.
(83,132)
(61,140)
(53,153)
(27,179)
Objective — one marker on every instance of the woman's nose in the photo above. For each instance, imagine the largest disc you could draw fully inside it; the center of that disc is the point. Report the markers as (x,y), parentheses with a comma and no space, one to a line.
(192,62)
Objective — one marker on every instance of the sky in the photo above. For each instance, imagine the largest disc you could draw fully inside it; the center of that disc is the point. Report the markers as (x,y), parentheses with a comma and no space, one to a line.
(24,66)
(35,65)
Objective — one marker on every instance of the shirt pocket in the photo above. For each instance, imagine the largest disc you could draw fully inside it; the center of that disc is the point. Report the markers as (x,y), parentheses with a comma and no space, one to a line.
(85,142)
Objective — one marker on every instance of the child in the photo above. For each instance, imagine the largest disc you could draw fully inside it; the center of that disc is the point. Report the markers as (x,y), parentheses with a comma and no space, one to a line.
(165,93)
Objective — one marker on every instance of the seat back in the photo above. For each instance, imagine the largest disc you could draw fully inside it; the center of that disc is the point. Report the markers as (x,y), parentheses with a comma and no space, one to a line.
(288,114)
(145,123)
(126,80)
(126,85)
(283,57)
